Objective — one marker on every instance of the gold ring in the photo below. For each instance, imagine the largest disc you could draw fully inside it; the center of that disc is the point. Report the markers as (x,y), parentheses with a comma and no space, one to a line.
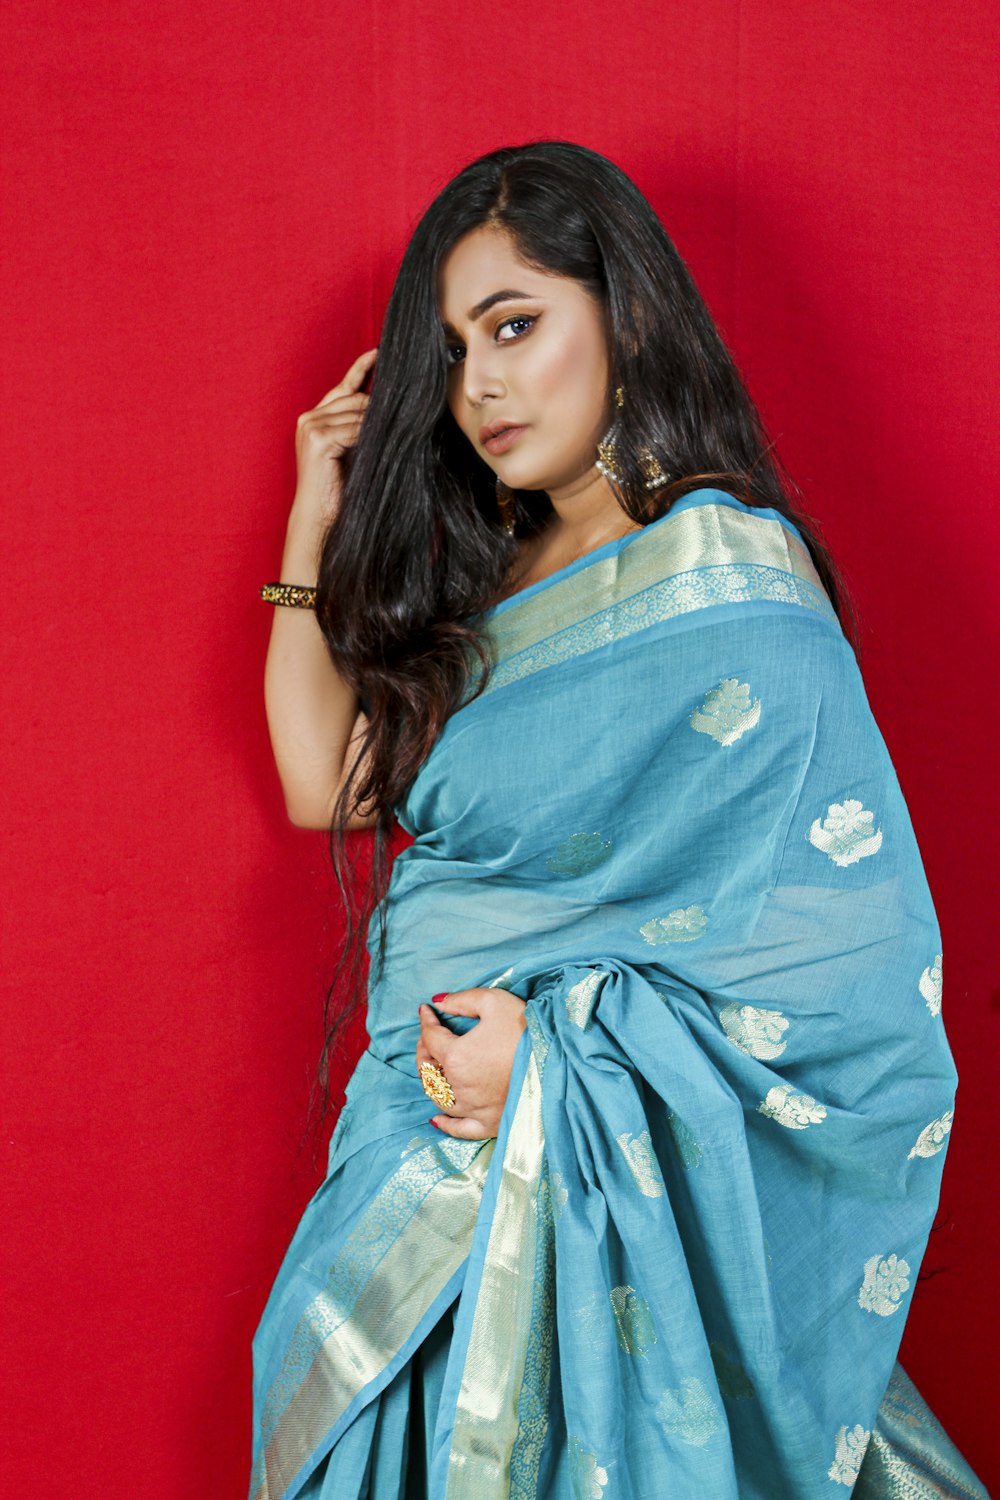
(436,1085)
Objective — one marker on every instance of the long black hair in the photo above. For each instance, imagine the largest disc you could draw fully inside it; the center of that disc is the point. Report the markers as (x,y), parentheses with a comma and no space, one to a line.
(416,548)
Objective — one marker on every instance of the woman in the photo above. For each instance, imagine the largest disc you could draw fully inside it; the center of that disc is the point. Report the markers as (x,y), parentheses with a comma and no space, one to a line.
(661,953)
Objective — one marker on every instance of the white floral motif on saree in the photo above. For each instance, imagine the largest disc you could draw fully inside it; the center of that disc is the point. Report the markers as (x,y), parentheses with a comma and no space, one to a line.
(727,712)
(884,1284)
(682,925)
(931,985)
(850,1451)
(794,1111)
(755,1030)
(932,1138)
(847,833)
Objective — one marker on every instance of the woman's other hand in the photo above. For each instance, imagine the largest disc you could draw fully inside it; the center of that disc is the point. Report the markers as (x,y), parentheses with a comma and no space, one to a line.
(478,1062)
(322,437)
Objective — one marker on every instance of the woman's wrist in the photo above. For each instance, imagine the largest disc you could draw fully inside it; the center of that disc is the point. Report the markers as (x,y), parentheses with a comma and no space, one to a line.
(303,542)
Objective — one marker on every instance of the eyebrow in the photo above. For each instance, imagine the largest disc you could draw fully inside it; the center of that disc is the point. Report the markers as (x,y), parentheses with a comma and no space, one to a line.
(507,295)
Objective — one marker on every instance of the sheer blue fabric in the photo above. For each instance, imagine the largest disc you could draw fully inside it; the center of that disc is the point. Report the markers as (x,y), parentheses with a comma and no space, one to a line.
(670,825)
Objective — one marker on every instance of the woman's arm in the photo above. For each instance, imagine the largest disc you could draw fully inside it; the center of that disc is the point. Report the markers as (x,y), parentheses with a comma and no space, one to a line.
(313,715)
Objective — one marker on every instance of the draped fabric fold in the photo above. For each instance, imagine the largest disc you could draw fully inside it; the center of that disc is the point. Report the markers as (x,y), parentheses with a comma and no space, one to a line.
(671,826)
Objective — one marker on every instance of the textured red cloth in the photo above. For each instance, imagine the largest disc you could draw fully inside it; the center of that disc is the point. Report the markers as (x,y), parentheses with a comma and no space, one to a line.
(205,204)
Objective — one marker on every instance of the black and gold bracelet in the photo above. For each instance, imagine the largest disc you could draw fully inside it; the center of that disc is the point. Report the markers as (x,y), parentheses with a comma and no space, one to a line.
(295,594)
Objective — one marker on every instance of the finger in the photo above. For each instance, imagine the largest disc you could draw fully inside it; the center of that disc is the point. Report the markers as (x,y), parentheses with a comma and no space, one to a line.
(461,1003)
(354,378)
(424,1054)
(323,435)
(346,401)
(332,438)
(346,405)
(435,1036)
(464,1129)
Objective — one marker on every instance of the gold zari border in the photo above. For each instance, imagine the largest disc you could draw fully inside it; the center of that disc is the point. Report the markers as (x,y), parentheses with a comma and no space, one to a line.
(708,554)
(486,1416)
(910,1456)
(420,1261)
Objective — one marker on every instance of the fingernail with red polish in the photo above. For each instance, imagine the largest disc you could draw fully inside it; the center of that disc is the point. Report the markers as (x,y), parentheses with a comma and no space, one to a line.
(439,997)
(435,1124)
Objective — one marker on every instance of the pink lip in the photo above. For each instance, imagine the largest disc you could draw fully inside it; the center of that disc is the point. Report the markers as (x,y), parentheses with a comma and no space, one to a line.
(503,440)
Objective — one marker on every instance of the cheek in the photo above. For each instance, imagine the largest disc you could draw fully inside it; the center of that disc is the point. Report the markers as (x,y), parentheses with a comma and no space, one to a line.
(560,361)
(573,378)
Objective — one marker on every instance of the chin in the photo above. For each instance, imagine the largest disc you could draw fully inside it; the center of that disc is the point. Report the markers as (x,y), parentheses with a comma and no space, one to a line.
(516,480)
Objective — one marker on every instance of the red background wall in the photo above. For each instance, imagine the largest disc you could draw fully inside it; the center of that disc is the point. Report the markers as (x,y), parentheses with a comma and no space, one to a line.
(206,204)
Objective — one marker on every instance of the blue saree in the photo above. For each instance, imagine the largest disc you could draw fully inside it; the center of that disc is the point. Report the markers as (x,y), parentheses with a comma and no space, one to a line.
(682,1268)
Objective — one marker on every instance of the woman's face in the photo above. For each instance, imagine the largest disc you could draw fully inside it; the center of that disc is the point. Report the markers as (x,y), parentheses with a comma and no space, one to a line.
(536,359)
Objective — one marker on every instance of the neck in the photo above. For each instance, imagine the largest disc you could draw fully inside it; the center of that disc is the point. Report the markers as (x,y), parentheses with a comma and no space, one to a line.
(586,514)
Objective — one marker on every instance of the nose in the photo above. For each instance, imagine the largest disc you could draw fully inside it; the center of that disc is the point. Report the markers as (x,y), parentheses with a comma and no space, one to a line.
(481,379)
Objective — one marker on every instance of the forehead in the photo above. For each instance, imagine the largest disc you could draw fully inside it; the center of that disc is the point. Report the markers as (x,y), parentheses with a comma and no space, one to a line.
(485,261)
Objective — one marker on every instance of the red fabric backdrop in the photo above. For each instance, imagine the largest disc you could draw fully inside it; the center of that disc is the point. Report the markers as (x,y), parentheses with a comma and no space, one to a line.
(206,203)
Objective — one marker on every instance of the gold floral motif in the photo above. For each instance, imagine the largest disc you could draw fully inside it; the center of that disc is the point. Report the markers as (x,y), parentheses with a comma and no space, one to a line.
(727,712)
(755,1031)
(846,833)
(689,1412)
(884,1284)
(688,1149)
(682,925)
(589,1478)
(931,985)
(581,998)
(590,1316)
(851,1443)
(633,1320)
(579,854)
(638,1152)
(795,1111)
(298,595)
(932,1138)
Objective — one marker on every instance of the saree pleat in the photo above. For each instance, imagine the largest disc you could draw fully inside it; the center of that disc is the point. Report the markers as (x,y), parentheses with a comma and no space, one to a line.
(682,1268)
(386,1450)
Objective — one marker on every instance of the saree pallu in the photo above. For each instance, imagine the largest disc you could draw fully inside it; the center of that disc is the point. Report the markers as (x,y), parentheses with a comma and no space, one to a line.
(682,1267)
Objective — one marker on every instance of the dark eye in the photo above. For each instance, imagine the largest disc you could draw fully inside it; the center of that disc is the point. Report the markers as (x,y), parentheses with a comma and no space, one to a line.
(526,319)
(522,318)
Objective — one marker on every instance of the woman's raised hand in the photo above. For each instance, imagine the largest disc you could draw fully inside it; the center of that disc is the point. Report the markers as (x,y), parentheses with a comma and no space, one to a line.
(476,1063)
(312,711)
(322,437)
